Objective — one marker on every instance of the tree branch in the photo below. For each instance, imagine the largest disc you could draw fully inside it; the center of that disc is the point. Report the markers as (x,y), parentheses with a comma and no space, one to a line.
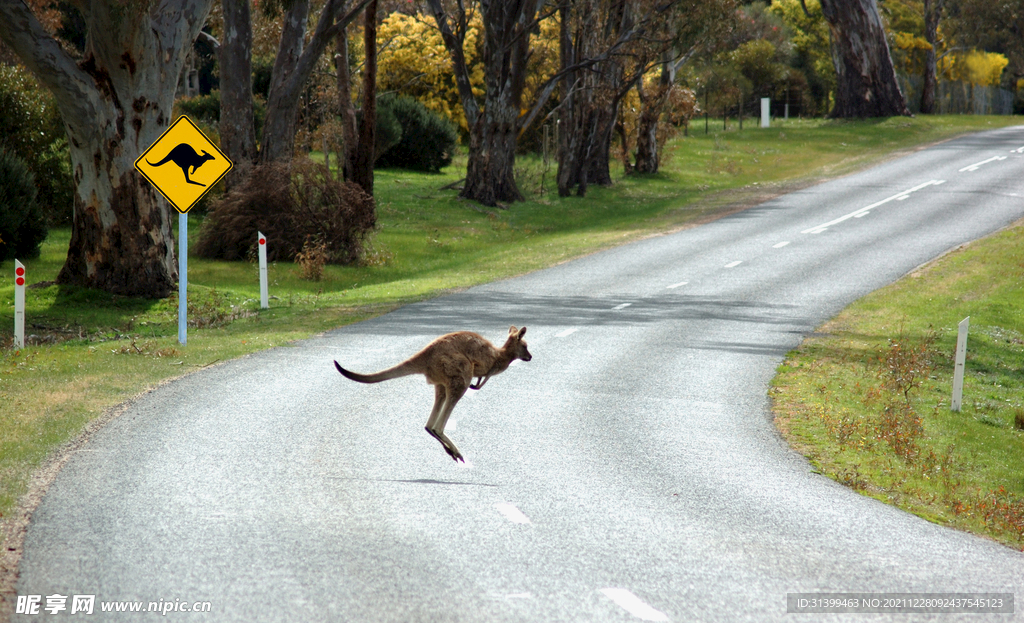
(41,53)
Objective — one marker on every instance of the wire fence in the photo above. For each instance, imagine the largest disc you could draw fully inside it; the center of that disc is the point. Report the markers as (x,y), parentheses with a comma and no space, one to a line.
(959,98)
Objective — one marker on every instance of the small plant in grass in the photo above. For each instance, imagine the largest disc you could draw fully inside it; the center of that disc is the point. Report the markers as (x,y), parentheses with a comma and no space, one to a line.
(905,365)
(312,258)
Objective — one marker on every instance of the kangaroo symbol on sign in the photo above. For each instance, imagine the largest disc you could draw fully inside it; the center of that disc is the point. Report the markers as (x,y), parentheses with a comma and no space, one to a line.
(185,157)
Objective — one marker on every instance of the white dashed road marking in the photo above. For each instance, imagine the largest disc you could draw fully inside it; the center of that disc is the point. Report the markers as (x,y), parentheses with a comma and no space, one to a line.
(511,513)
(734,264)
(974,167)
(567,332)
(623,306)
(676,285)
(633,604)
(864,211)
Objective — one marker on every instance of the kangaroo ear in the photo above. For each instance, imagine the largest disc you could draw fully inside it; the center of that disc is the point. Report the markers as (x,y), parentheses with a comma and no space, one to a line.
(512,330)
(522,332)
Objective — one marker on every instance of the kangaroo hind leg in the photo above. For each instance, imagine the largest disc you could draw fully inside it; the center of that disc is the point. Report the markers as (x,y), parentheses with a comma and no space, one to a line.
(439,418)
(437,432)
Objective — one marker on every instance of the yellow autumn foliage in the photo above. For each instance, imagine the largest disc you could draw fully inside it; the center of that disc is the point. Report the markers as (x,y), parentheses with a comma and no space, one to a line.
(412,60)
(978,68)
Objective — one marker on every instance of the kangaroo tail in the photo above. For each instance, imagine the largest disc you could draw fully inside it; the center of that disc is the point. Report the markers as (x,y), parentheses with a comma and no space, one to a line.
(156,164)
(402,369)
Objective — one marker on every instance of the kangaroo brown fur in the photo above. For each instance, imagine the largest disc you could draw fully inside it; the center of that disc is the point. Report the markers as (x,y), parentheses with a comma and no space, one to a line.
(450,362)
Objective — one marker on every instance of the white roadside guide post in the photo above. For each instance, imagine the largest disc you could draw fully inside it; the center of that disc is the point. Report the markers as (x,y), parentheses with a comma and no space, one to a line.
(19,304)
(765,112)
(961,357)
(264,303)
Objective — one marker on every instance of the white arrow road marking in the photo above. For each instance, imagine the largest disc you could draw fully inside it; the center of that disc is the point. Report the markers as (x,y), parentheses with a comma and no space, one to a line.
(974,167)
(511,513)
(864,211)
(632,604)
(1019,150)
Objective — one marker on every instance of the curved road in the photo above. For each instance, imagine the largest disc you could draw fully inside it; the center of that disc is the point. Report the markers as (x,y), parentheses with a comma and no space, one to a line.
(631,471)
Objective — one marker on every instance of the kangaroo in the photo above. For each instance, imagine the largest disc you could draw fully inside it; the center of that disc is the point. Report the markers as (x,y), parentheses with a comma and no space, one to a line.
(185,157)
(450,362)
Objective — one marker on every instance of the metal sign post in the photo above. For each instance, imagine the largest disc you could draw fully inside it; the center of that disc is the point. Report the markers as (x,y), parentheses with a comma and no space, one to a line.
(183,164)
(182,277)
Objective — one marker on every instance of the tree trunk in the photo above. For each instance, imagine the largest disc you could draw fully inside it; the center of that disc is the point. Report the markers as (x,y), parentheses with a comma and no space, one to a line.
(865,79)
(237,130)
(292,69)
(347,110)
(280,123)
(932,13)
(362,173)
(592,99)
(490,174)
(115,103)
(651,105)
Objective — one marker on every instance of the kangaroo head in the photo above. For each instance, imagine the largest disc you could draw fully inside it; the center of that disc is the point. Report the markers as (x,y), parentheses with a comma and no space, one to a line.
(517,344)
(206,156)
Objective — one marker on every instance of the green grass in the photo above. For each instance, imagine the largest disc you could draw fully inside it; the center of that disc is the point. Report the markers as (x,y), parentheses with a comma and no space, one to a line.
(93,350)
(829,394)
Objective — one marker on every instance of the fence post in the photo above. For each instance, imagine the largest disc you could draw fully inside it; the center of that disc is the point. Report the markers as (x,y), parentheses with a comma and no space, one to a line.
(958,370)
(765,112)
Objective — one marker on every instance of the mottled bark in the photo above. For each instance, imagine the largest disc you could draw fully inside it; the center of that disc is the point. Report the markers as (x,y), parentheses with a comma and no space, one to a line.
(346,109)
(292,68)
(237,129)
(652,102)
(591,100)
(362,172)
(115,103)
(493,131)
(865,79)
(932,13)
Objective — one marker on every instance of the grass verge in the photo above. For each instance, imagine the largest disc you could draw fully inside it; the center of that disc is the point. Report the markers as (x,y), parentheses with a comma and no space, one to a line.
(89,351)
(868,399)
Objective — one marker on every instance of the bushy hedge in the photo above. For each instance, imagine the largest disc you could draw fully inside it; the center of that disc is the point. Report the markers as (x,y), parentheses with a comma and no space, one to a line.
(31,128)
(428,139)
(290,203)
(22,225)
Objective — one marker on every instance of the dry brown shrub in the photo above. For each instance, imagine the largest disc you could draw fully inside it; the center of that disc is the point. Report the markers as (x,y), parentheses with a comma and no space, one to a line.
(290,203)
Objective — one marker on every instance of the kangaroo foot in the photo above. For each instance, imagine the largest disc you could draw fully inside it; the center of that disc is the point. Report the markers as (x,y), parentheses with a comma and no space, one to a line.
(447,445)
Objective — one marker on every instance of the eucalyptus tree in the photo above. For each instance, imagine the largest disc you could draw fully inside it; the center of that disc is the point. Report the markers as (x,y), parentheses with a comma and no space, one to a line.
(494,126)
(865,78)
(115,101)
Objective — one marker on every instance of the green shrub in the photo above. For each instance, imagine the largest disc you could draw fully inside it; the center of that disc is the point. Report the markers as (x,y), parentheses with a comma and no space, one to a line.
(201,107)
(428,139)
(22,226)
(290,203)
(31,128)
(204,110)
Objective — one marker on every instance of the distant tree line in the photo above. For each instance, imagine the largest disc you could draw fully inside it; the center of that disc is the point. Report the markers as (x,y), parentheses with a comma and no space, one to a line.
(281,77)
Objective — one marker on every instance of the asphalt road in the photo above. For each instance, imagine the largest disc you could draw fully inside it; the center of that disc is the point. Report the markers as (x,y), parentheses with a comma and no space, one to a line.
(630,471)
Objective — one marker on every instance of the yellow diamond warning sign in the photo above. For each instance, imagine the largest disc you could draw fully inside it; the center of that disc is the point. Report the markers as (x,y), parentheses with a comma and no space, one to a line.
(183,164)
